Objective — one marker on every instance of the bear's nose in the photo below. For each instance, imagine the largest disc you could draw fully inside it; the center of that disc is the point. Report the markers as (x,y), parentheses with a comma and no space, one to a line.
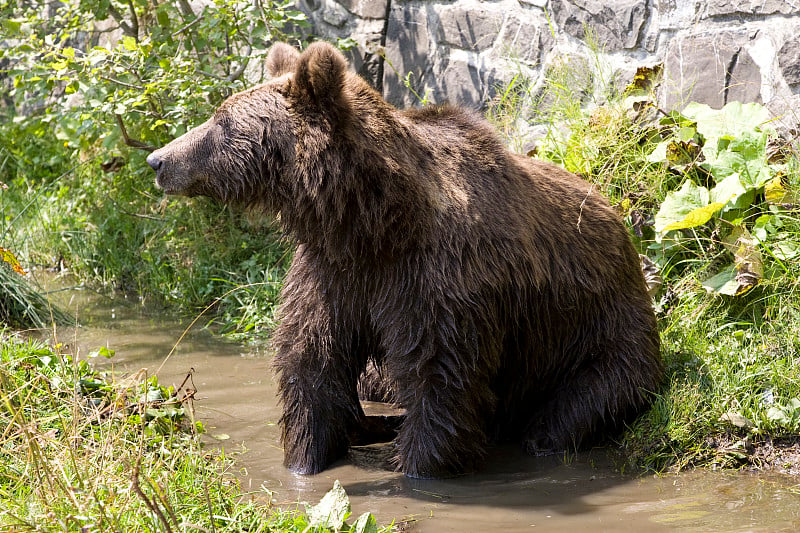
(154,161)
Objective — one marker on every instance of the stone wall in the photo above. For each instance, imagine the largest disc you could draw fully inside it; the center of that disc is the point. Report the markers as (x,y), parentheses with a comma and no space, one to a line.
(712,51)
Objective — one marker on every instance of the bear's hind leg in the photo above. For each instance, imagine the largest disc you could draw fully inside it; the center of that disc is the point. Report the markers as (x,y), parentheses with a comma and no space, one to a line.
(598,398)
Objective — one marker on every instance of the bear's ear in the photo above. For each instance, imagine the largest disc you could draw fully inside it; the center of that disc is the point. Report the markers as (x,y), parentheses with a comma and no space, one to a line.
(281,59)
(320,74)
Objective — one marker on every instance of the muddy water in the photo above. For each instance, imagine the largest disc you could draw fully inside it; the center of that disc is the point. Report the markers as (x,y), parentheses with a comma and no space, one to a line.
(237,402)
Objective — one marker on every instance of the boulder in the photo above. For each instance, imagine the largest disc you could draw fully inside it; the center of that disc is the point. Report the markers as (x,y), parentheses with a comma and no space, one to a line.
(713,68)
(617,23)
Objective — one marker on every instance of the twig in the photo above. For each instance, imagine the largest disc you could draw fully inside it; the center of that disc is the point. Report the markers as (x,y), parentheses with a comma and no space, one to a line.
(162,495)
(236,74)
(186,8)
(130,214)
(192,23)
(210,508)
(583,203)
(132,142)
(147,501)
(134,21)
(123,83)
(124,26)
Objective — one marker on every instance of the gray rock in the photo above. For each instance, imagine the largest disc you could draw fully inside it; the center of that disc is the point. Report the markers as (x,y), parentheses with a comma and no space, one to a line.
(713,51)
(464,82)
(525,36)
(368,9)
(789,62)
(334,14)
(407,54)
(710,68)
(716,8)
(676,14)
(469,27)
(367,57)
(310,6)
(617,23)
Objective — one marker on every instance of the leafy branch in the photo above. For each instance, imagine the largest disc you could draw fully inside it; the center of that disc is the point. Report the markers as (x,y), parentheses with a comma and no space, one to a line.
(169,69)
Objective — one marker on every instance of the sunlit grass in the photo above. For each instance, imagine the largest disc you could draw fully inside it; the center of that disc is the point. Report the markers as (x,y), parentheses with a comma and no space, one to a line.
(116,232)
(83,451)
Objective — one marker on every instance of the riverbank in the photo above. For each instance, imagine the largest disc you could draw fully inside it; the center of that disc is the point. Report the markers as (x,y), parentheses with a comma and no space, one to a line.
(88,450)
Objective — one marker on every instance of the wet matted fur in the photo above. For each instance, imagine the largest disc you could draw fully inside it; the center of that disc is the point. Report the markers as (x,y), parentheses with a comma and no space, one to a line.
(495,296)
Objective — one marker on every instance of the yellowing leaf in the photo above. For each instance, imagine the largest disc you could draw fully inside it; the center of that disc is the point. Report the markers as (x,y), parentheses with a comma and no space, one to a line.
(644,80)
(695,217)
(747,269)
(776,192)
(682,152)
(8,257)
(748,264)
(130,43)
(680,204)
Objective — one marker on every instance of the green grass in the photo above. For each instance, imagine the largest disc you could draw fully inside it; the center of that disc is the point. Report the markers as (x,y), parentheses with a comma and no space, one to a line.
(116,231)
(22,306)
(85,451)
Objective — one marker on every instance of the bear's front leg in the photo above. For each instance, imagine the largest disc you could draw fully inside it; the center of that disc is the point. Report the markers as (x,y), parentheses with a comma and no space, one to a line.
(320,407)
(318,363)
(448,404)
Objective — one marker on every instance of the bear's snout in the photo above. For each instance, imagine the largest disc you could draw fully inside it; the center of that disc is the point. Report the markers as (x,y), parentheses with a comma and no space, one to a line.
(154,161)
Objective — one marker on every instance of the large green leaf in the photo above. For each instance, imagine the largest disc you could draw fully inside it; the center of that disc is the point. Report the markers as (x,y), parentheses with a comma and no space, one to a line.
(732,120)
(727,190)
(331,511)
(745,155)
(686,208)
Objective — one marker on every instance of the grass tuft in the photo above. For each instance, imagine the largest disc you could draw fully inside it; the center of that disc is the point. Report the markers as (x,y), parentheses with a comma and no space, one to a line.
(22,307)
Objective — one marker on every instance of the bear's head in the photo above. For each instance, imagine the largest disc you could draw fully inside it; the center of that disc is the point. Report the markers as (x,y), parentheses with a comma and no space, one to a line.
(248,150)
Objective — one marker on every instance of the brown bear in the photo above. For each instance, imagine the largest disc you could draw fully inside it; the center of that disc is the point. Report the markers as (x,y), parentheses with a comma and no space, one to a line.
(496,295)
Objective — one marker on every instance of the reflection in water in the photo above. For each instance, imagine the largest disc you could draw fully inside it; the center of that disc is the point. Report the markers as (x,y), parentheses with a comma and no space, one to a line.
(236,399)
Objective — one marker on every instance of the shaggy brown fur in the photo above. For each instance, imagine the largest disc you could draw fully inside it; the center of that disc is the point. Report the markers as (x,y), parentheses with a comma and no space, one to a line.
(499,296)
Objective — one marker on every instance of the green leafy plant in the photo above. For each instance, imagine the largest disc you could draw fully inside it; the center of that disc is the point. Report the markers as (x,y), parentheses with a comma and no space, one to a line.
(710,197)
(732,193)
(333,510)
(135,73)
(89,86)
